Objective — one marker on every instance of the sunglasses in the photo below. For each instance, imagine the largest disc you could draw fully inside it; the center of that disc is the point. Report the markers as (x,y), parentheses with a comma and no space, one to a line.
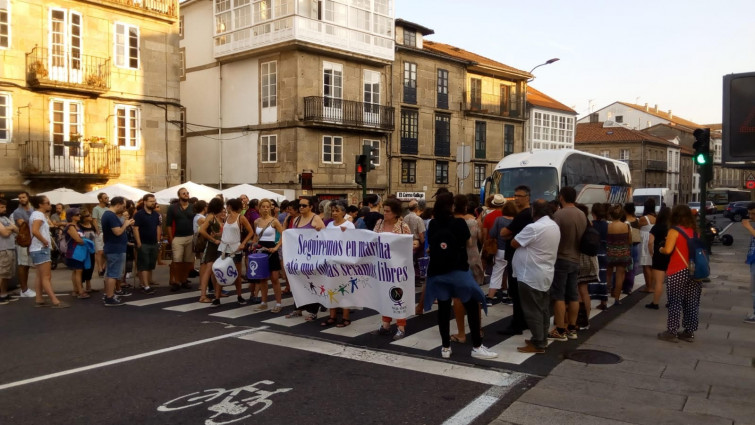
(303,206)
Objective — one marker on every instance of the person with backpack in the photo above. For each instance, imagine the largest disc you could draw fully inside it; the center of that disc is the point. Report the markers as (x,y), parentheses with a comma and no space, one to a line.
(74,236)
(750,260)
(448,276)
(683,292)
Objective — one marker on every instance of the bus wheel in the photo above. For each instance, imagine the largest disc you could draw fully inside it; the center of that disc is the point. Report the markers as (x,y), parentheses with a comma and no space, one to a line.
(727,240)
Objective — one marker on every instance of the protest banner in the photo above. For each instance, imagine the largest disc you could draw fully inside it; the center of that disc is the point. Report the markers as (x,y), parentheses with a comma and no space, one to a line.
(355,268)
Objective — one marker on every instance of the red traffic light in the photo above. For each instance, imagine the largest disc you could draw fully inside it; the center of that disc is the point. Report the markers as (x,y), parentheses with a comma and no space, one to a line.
(360,169)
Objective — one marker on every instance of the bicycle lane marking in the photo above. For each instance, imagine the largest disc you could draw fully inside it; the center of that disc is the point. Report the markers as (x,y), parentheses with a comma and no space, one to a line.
(128,359)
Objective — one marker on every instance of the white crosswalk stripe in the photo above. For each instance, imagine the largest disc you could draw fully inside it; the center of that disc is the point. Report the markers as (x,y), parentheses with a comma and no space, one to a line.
(425,340)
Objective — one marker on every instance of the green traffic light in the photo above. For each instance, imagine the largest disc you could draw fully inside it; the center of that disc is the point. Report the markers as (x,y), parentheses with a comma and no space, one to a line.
(701,159)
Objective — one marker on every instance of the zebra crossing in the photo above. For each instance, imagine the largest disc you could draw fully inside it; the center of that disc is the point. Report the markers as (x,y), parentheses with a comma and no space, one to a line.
(423,338)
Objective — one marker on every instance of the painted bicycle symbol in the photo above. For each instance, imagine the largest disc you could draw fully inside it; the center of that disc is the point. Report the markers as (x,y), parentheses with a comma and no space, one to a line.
(229,405)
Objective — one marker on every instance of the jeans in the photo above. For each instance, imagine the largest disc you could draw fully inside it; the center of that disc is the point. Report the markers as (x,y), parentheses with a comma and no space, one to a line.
(116,265)
(752,285)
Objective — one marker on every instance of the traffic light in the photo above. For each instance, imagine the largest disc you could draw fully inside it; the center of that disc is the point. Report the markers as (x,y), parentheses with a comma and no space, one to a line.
(739,119)
(360,170)
(702,146)
(371,154)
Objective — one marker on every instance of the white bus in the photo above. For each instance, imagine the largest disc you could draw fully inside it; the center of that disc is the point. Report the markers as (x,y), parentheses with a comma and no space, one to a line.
(596,179)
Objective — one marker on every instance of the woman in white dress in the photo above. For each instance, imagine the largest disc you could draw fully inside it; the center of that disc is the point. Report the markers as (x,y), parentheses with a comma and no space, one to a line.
(647,222)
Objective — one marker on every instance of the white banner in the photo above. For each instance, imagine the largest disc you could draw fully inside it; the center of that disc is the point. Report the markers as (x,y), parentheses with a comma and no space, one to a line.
(352,268)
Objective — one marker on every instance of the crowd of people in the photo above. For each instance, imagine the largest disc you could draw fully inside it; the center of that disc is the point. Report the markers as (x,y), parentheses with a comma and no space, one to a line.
(531,248)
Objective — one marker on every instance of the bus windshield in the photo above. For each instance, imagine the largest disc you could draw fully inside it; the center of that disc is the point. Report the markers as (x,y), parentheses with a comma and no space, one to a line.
(542,181)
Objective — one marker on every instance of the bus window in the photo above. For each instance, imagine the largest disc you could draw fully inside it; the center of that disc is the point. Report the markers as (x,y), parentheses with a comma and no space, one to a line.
(542,181)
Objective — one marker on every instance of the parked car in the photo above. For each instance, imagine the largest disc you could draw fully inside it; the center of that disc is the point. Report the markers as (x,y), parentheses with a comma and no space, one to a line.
(736,211)
(710,207)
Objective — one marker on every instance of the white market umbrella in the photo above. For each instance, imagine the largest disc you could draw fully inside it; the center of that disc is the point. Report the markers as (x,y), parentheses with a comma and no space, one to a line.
(252,192)
(200,191)
(67,196)
(120,189)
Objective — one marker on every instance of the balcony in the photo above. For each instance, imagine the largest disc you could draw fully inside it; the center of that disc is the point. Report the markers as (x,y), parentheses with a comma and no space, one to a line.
(656,165)
(347,113)
(160,8)
(67,71)
(494,108)
(45,159)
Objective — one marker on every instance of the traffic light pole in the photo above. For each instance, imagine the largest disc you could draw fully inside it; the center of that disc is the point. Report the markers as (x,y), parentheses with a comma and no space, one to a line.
(704,161)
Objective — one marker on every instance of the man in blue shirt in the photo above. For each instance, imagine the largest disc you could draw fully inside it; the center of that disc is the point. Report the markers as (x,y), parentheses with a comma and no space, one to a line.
(747,223)
(116,243)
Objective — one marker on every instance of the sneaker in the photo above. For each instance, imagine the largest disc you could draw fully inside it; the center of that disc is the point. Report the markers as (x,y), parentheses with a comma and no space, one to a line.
(255,300)
(557,336)
(123,293)
(399,334)
(482,352)
(240,300)
(492,301)
(4,300)
(686,336)
(750,318)
(667,336)
(507,301)
(445,352)
(585,327)
(652,306)
(29,293)
(530,349)
(147,290)
(113,302)
(215,303)
(602,306)
(571,333)
(9,298)
(381,331)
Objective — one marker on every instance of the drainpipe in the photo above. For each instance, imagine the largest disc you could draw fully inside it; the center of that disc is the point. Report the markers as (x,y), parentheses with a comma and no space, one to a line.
(389,138)
(220,126)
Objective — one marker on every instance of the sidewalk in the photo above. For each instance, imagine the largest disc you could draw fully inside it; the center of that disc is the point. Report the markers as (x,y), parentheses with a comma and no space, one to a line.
(709,382)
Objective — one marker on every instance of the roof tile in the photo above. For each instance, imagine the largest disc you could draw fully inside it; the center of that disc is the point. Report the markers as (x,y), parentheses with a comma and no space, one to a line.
(447,49)
(594,132)
(538,98)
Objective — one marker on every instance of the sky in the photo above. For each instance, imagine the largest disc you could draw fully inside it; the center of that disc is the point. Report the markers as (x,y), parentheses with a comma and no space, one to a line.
(669,53)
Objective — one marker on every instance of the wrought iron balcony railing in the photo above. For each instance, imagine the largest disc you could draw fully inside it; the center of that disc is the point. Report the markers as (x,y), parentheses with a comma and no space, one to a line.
(326,110)
(69,70)
(656,165)
(45,159)
(168,8)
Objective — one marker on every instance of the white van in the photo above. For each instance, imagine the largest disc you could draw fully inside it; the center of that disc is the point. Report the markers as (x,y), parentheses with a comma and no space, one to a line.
(660,194)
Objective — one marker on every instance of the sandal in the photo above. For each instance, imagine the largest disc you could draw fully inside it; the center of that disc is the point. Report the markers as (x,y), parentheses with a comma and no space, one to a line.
(330,322)
(204,300)
(343,323)
(455,338)
(83,296)
(311,317)
(295,313)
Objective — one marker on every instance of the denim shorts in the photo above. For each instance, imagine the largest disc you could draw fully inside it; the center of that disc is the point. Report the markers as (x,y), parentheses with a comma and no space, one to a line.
(116,265)
(41,256)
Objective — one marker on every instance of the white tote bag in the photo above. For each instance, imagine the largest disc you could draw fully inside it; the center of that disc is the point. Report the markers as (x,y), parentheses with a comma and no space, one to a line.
(225,270)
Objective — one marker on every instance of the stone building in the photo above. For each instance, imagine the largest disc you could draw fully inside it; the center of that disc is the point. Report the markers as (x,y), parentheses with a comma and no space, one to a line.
(458,114)
(89,94)
(653,161)
(283,94)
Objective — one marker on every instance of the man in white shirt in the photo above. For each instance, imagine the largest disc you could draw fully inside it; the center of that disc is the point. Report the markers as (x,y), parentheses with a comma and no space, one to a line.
(533,266)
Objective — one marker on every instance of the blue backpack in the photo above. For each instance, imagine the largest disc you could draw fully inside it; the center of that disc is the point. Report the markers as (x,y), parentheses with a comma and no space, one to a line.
(699,265)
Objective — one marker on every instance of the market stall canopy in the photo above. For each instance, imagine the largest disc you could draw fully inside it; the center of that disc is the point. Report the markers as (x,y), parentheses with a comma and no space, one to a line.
(251,192)
(196,190)
(67,196)
(120,189)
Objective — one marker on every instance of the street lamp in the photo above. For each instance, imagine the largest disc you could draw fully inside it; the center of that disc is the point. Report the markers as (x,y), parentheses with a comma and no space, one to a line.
(548,62)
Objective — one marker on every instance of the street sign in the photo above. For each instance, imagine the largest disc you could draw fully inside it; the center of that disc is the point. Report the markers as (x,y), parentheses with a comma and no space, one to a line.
(407,196)
(750,184)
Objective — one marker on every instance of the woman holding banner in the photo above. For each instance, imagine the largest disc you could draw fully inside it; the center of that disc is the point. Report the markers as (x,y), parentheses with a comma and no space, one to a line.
(338,221)
(307,220)
(448,276)
(392,223)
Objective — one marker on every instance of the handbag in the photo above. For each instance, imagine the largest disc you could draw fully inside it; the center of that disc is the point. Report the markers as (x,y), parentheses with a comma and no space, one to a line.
(636,236)
(224,270)
(23,238)
(490,247)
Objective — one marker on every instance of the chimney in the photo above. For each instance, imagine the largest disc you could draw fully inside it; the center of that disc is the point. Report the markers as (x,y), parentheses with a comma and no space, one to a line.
(594,117)
(670,115)
(646,107)
(656,108)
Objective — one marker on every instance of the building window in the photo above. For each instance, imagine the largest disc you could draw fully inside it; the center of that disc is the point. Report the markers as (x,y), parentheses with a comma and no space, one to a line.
(181,27)
(182,63)
(410,82)
(126,46)
(409,131)
(4,24)
(508,139)
(480,173)
(127,126)
(269,72)
(505,99)
(410,38)
(442,89)
(408,171)
(262,11)
(332,150)
(6,118)
(441,172)
(371,94)
(65,123)
(605,153)
(332,85)
(442,135)
(65,46)
(624,155)
(375,145)
(269,148)
(476,93)
(480,134)
(619,119)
